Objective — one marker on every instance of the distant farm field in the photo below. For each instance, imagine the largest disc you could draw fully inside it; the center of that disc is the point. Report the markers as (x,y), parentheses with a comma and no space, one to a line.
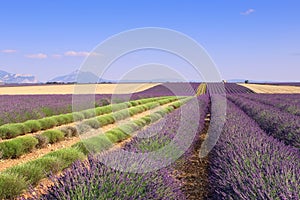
(69,89)
(273,89)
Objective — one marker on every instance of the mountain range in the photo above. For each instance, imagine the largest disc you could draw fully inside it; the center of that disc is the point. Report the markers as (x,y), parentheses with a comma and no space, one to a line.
(88,77)
(85,77)
(78,77)
(6,77)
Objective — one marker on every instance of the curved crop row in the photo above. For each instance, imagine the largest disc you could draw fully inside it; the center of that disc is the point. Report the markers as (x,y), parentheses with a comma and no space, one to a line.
(165,131)
(246,163)
(96,144)
(19,146)
(15,179)
(284,103)
(169,89)
(13,130)
(18,178)
(275,122)
(22,145)
(102,181)
(20,108)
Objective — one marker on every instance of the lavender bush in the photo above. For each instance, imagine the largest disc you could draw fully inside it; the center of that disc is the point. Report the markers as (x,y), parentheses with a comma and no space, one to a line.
(289,103)
(93,180)
(247,164)
(275,122)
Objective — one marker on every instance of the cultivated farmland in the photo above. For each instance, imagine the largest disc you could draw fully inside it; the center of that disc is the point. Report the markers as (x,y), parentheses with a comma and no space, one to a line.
(274,89)
(69,89)
(49,152)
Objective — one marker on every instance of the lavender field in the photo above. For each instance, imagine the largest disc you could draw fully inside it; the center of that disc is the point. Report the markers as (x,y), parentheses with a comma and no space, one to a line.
(256,156)
(19,108)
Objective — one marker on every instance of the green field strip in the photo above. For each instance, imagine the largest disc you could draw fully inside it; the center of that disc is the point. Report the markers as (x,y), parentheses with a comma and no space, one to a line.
(12,130)
(16,147)
(14,180)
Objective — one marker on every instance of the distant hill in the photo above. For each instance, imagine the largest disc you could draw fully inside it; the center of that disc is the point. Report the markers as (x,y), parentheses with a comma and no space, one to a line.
(88,77)
(78,77)
(161,80)
(9,78)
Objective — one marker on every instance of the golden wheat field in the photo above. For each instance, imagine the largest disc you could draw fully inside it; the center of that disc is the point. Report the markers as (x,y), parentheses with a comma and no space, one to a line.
(78,88)
(272,89)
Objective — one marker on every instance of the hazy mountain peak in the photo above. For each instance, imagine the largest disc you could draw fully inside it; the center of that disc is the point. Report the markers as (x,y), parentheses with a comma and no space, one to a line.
(77,76)
(7,77)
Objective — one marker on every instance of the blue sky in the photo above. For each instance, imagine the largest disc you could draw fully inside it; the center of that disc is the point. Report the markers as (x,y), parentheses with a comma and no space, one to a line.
(249,39)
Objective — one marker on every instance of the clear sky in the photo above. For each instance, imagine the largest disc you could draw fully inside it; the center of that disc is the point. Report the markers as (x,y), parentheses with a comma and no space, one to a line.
(250,39)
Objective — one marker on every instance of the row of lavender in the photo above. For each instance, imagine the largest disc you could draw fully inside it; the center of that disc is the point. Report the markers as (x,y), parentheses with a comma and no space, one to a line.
(226,88)
(19,108)
(93,179)
(283,83)
(247,163)
(280,124)
(287,102)
(171,89)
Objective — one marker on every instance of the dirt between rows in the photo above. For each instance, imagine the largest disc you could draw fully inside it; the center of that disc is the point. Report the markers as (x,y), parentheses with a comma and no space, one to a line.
(192,171)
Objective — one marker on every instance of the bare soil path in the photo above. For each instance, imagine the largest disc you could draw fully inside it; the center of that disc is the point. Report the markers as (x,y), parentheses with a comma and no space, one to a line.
(192,171)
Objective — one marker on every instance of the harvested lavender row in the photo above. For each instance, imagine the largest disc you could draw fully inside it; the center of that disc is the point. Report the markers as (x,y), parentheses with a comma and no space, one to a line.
(164,142)
(162,133)
(94,180)
(284,103)
(281,125)
(246,163)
